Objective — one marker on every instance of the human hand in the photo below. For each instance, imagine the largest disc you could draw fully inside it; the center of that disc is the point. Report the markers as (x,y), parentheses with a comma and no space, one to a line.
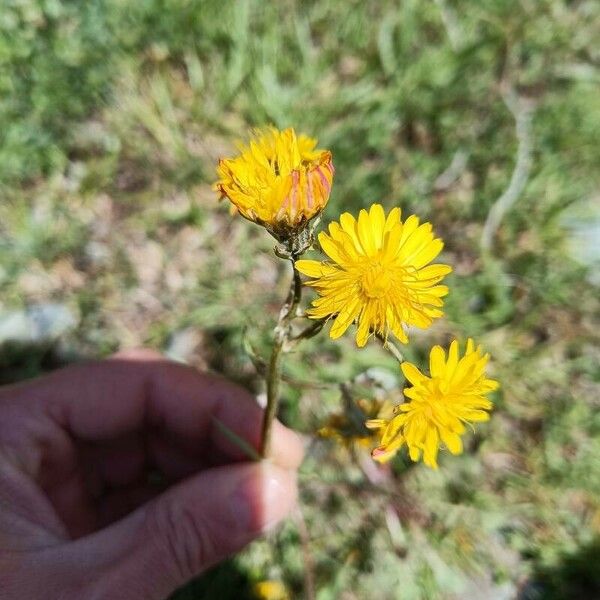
(79,516)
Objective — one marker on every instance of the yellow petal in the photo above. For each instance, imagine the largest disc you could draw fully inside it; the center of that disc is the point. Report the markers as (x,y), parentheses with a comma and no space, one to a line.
(348,224)
(414,453)
(427,254)
(431,448)
(363,331)
(433,273)
(377,218)
(490,385)
(384,454)
(409,226)
(393,218)
(452,441)
(344,319)
(437,361)
(412,373)
(332,248)
(477,416)
(312,268)
(365,233)
(452,357)
(335,231)
(393,429)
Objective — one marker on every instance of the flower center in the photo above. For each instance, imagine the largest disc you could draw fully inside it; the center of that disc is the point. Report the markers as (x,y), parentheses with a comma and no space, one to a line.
(376,280)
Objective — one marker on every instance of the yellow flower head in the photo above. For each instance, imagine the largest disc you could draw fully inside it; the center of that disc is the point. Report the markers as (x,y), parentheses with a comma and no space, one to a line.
(348,426)
(379,274)
(439,405)
(279,180)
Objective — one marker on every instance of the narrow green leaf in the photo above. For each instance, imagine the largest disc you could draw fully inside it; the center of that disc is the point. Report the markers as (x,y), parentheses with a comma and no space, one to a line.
(234,438)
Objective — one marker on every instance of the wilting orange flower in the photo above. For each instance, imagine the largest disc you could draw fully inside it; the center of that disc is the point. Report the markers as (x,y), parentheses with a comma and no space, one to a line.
(279,180)
(379,275)
(439,405)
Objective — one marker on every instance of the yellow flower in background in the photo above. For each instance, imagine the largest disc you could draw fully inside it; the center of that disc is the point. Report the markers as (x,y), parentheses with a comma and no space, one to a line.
(279,180)
(379,275)
(347,427)
(270,589)
(439,405)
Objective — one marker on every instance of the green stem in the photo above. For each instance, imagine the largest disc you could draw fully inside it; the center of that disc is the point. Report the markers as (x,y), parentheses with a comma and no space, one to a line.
(282,332)
(273,380)
(390,347)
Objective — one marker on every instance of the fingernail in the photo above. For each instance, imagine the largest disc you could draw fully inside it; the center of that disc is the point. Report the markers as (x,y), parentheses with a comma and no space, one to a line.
(263,498)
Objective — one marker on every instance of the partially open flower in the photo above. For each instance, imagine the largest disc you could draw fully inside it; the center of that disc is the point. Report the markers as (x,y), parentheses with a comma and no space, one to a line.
(279,181)
(439,405)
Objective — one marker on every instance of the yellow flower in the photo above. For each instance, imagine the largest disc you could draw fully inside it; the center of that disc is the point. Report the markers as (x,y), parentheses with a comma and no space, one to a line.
(347,427)
(279,180)
(378,275)
(439,405)
(270,590)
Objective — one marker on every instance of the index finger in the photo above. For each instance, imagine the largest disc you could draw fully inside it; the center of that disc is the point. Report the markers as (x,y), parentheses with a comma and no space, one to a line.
(132,391)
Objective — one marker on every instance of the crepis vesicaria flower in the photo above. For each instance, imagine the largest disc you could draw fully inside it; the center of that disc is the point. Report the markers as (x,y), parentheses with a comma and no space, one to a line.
(379,275)
(279,180)
(439,405)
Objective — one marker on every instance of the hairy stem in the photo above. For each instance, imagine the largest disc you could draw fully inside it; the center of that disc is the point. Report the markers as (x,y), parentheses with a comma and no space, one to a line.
(282,334)
(390,347)
(273,380)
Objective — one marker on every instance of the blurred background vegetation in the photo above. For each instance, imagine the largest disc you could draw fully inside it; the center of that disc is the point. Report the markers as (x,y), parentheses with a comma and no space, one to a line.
(112,117)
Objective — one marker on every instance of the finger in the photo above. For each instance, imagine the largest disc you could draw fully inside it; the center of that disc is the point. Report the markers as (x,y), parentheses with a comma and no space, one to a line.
(115,462)
(184,531)
(132,392)
(120,502)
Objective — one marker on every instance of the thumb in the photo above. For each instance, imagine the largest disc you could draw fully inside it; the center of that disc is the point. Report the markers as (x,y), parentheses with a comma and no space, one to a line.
(189,528)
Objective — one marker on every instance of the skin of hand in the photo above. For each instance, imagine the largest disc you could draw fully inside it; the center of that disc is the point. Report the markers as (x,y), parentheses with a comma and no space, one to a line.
(115,481)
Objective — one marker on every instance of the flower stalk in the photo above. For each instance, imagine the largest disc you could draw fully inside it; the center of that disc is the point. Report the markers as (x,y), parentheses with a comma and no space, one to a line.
(390,347)
(280,343)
